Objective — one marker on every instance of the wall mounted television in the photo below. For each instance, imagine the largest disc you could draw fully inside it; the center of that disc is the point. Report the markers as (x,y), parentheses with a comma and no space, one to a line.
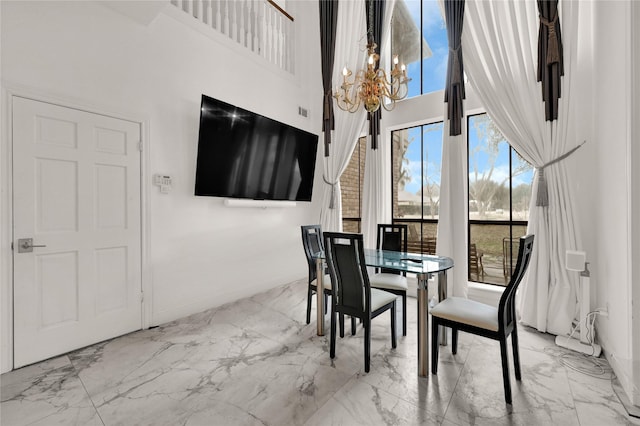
(242,154)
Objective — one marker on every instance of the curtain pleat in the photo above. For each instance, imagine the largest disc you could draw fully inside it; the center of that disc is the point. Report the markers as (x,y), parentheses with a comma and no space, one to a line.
(500,49)
(452,218)
(452,210)
(376,37)
(550,56)
(348,126)
(376,191)
(454,91)
(328,22)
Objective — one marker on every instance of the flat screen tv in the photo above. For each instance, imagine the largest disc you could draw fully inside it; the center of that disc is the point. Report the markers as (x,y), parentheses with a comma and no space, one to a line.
(242,154)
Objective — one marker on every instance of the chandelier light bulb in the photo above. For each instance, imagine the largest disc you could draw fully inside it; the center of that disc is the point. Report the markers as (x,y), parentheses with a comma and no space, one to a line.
(372,86)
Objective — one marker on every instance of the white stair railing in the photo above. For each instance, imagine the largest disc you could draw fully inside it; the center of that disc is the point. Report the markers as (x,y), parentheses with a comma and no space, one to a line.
(258,25)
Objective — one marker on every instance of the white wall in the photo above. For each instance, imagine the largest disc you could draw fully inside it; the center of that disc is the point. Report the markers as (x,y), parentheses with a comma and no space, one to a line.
(635,200)
(613,265)
(201,254)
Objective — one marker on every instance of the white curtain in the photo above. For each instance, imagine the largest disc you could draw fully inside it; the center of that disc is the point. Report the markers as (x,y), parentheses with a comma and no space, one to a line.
(376,191)
(452,216)
(499,44)
(350,52)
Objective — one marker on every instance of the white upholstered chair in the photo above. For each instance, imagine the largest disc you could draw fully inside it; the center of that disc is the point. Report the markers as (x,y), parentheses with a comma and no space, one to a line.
(352,294)
(392,237)
(495,323)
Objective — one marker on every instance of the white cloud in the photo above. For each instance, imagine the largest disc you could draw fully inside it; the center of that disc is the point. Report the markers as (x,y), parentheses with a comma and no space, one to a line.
(432,20)
(413,184)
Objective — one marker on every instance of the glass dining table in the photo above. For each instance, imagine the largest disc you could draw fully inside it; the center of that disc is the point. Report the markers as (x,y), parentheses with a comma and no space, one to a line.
(424,266)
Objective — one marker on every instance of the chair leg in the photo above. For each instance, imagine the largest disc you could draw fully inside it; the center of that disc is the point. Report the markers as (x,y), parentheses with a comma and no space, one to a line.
(367,344)
(309,294)
(393,325)
(341,325)
(434,346)
(505,370)
(404,314)
(353,326)
(332,350)
(454,341)
(516,352)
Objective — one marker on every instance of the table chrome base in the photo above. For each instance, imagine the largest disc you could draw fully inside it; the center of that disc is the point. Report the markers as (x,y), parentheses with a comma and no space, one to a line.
(423,319)
(423,314)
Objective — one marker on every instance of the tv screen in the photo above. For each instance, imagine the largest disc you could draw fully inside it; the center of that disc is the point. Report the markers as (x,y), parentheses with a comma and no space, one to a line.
(242,154)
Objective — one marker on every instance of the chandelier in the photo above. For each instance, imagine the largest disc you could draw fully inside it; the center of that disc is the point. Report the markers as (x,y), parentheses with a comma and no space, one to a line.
(371,86)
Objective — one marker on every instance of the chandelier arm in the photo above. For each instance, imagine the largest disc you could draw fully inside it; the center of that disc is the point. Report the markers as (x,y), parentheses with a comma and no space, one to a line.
(391,106)
(372,86)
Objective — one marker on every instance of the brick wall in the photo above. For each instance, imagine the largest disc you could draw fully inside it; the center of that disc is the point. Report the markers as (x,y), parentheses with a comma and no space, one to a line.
(351,183)
(397,139)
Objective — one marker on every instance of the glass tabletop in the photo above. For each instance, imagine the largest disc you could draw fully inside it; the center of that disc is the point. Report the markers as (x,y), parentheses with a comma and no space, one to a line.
(406,262)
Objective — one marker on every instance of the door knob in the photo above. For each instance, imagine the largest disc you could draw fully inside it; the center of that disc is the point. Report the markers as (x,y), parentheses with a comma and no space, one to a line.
(25,245)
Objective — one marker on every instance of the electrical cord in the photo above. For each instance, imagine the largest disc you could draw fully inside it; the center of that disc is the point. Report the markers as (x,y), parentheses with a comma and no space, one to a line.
(582,363)
(591,317)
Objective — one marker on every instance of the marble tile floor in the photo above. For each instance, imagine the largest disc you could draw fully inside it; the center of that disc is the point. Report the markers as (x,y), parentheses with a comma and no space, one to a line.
(255,362)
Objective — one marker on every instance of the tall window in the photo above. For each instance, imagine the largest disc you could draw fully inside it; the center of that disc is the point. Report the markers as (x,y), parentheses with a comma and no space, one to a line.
(416,160)
(351,183)
(419,38)
(499,194)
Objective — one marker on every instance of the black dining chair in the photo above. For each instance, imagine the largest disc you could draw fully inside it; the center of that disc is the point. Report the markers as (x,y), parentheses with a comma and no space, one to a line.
(352,293)
(313,243)
(392,237)
(461,314)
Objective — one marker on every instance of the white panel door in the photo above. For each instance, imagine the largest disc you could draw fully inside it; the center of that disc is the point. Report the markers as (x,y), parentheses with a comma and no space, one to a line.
(76,193)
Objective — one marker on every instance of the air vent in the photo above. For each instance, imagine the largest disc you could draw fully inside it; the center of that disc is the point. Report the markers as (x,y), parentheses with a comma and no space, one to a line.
(303,111)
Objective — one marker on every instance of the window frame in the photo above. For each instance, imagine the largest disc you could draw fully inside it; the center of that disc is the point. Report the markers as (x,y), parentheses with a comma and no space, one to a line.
(421,49)
(422,220)
(511,223)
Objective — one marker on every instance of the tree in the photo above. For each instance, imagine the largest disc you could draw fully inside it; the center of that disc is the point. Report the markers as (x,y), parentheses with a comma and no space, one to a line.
(521,196)
(484,189)
(431,177)
(404,175)
(431,185)
(401,170)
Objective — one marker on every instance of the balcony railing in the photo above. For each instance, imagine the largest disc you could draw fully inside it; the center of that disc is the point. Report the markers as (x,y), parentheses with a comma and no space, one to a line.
(258,25)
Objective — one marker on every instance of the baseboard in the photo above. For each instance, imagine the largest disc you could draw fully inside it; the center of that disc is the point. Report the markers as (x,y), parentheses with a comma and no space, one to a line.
(214,301)
(624,376)
(632,410)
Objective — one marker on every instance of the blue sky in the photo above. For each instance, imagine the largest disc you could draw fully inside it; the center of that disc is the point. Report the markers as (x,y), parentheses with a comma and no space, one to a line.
(432,137)
(434,68)
(434,72)
(501,168)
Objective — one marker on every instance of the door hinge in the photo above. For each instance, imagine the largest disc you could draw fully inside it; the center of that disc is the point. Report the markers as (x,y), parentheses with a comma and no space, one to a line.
(141,296)
(11,245)
(140,146)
